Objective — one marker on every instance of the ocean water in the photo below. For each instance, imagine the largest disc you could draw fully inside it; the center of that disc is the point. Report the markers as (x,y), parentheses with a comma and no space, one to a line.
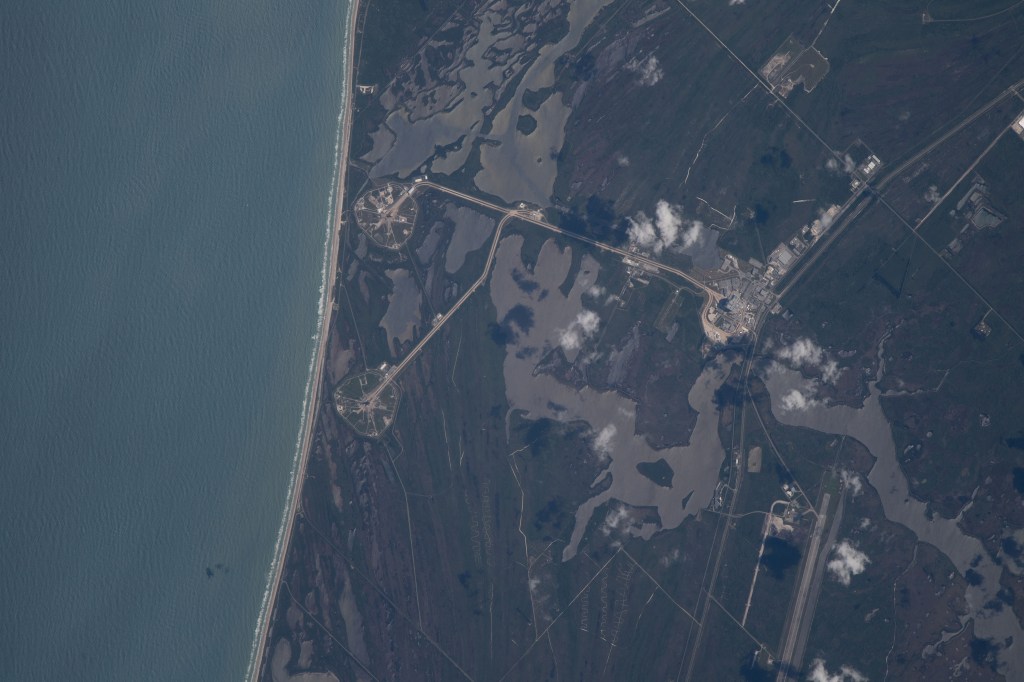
(165,173)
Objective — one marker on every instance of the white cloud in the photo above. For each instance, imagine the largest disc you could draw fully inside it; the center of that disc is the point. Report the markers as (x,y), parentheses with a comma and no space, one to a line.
(932,196)
(733,3)
(603,441)
(796,401)
(825,218)
(615,518)
(668,220)
(570,339)
(852,482)
(819,673)
(643,234)
(596,291)
(622,160)
(588,321)
(847,562)
(846,165)
(582,328)
(693,233)
(801,352)
(648,70)
(666,229)
(806,353)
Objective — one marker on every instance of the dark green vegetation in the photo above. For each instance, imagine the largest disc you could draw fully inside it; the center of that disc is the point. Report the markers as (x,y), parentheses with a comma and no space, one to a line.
(435,551)
(596,219)
(729,152)
(455,519)
(352,399)
(378,62)
(951,404)
(532,99)
(738,163)
(902,603)
(894,98)
(404,24)
(914,193)
(953,422)
(798,456)
(526,124)
(991,257)
(660,472)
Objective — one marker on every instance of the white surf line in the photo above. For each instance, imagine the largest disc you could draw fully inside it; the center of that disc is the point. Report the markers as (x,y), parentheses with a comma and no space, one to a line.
(309,402)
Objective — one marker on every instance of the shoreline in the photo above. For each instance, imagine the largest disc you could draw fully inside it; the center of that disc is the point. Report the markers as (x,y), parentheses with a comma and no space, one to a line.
(260,644)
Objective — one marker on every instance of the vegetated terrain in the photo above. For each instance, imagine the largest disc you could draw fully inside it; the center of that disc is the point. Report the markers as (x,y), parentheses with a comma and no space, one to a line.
(444,536)
(951,419)
(713,137)
(949,385)
(436,550)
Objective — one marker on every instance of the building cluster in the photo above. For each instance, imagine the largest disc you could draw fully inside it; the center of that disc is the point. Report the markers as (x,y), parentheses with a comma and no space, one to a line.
(863,173)
(782,258)
(975,208)
(744,295)
(793,65)
(748,286)
(1018,126)
(387,214)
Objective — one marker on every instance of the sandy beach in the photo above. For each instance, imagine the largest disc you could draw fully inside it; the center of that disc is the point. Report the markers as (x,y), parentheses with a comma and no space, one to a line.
(313,409)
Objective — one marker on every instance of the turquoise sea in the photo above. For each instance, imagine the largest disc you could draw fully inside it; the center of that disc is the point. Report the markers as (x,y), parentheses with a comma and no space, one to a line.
(165,178)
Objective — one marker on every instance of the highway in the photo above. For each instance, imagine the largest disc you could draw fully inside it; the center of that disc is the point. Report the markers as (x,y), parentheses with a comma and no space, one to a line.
(853,207)
(709,580)
(760,553)
(896,172)
(802,628)
(393,373)
(804,605)
(858,202)
(952,188)
(260,644)
(798,611)
(528,216)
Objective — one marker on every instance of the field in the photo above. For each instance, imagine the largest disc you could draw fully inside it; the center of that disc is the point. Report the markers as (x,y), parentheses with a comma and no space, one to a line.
(464,505)
(503,514)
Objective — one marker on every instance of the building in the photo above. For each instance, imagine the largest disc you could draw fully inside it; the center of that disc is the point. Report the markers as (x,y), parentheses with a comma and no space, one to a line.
(986,217)
(1018,126)
(870,166)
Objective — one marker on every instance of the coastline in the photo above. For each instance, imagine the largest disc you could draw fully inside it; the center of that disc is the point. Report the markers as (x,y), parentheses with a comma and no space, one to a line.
(260,644)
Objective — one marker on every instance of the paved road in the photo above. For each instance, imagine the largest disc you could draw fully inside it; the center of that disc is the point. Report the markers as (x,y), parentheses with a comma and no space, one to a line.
(765,530)
(807,620)
(528,216)
(393,373)
(952,188)
(736,479)
(261,645)
(798,611)
(855,205)
(896,172)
